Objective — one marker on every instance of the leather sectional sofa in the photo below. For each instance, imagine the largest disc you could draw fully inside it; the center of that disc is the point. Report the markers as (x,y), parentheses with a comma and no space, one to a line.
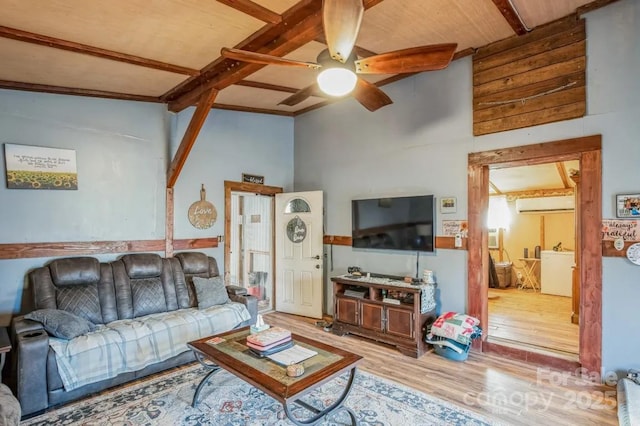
(144,292)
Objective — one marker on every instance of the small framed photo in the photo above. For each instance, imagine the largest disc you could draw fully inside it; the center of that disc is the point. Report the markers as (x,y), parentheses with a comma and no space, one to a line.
(628,205)
(494,242)
(448,205)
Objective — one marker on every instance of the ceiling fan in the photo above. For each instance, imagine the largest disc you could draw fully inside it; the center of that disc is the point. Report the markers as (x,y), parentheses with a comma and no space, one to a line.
(339,64)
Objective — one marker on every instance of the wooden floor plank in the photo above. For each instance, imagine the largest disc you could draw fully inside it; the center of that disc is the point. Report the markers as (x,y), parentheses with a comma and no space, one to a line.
(533,318)
(508,391)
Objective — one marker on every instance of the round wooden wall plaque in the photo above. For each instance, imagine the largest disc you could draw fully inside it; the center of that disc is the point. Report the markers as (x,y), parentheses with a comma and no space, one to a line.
(202,214)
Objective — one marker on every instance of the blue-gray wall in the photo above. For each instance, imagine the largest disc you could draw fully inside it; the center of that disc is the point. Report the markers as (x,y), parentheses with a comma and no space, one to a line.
(123,150)
(421,142)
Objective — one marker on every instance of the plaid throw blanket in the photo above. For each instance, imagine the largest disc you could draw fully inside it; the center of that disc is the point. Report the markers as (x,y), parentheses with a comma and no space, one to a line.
(130,345)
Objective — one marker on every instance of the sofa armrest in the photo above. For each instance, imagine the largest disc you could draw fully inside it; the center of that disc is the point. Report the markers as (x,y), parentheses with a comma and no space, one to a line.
(251,302)
(29,358)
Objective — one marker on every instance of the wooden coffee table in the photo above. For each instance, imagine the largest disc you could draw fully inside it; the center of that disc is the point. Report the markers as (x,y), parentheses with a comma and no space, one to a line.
(270,377)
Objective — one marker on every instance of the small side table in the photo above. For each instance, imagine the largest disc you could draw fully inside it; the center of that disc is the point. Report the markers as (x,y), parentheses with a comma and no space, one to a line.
(5,346)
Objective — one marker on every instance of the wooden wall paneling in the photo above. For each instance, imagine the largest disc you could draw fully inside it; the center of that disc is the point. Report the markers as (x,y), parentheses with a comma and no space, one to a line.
(590,208)
(534,79)
(442,242)
(513,49)
(609,251)
(337,240)
(88,248)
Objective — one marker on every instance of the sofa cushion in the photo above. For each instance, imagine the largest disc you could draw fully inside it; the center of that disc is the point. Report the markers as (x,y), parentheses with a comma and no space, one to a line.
(75,270)
(210,292)
(148,297)
(142,265)
(61,324)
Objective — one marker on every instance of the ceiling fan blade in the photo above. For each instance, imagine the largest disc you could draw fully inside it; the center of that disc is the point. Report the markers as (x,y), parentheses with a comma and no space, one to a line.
(414,59)
(341,20)
(261,58)
(302,95)
(370,96)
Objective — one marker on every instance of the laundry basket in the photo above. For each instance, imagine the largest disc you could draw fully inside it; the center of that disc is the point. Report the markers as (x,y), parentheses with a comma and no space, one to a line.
(452,334)
(450,349)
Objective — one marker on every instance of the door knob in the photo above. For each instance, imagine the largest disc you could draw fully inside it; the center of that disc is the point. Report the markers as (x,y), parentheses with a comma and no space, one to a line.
(317,266)
(317,257)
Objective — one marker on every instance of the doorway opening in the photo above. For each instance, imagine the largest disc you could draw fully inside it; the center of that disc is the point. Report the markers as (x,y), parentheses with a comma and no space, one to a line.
(249,242)
(588,151)
(532,243)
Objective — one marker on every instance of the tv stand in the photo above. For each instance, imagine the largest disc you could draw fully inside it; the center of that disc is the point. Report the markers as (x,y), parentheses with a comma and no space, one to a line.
(383,308)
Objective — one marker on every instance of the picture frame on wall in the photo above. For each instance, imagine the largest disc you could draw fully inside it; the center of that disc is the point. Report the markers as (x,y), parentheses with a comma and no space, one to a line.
(494,242)
(448,205)
(628,206)
(38,167)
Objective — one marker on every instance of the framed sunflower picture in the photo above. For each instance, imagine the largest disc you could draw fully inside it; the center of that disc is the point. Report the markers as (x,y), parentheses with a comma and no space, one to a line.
(36,167)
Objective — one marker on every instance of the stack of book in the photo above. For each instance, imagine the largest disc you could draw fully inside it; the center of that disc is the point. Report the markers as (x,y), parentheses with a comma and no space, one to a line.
(270,341)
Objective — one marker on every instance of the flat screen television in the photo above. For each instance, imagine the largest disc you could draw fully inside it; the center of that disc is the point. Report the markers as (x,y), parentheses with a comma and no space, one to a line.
(393,223)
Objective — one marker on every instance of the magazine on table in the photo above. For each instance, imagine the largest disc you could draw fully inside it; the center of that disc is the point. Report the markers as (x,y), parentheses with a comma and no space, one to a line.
(293,355)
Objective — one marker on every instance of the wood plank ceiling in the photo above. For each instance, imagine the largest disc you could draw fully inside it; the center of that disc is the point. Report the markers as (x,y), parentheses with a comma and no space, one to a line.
(169,51)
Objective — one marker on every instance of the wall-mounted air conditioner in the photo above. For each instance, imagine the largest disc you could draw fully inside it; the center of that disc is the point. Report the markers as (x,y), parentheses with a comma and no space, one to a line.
(546,204)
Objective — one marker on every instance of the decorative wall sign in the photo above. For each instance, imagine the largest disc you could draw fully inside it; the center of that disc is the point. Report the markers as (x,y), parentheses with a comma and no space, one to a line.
(296,230)
(628,230)
(253,179)
(202,214)
(36,167)
(452,227)
(628,205)
(448,205)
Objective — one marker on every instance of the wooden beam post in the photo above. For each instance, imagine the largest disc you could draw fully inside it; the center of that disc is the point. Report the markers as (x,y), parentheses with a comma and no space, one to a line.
(168,234)
(190,136)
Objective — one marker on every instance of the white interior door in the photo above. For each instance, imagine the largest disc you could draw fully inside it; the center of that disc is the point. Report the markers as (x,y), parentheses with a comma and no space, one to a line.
(299,281)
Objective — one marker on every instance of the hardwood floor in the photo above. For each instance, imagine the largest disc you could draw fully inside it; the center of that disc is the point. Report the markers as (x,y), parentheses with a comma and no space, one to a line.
(534,319)
(507,391)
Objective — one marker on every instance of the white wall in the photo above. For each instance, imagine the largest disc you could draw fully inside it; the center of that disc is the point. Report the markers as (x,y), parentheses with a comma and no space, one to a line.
(421,142)
(123,151)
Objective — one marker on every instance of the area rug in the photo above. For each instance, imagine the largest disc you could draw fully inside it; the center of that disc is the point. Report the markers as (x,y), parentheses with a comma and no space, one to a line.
(166,400)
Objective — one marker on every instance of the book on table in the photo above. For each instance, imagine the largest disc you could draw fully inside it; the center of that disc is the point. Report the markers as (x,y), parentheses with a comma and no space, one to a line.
(269,337)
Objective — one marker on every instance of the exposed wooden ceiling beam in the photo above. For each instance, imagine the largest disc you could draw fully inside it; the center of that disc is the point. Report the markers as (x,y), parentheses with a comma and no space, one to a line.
(562,171)
(300,24)
(534,193)
(511,16)
(253,9)
(589,7)
(252,109)
(495,188)
(45,88)
(84,49)
(266,86)
(190,136)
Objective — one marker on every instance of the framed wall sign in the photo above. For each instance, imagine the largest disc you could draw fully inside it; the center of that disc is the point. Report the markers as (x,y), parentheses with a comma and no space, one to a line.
(448,205)
(628,205)
(37,167)
(252,178)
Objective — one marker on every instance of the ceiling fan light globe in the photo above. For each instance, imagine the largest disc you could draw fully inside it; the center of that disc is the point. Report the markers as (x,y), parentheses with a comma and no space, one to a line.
(337,81)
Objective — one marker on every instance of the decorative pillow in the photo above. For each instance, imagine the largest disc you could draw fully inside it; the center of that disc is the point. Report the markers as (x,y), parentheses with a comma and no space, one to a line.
(62,324)
(210,292)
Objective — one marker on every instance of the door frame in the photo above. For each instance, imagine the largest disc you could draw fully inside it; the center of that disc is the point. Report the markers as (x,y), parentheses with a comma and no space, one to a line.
(588,150)
(232,186)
